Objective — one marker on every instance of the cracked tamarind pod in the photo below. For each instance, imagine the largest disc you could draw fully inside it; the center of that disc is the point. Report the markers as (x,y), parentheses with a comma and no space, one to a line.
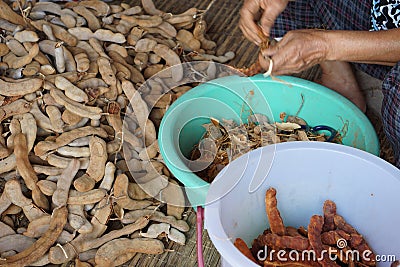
(314,236)
(355,241)
(242,247)
(274,216)
(329,214)
(291,242)
(332,237)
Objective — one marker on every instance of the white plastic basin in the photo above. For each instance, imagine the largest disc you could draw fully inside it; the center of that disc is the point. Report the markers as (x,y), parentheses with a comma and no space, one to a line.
(364,187)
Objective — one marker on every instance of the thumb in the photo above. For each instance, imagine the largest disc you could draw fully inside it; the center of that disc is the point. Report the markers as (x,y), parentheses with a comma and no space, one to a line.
(270,51)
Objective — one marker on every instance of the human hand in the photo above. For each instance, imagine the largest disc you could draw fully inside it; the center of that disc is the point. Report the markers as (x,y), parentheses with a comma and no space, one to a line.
(264,11)
(297,51)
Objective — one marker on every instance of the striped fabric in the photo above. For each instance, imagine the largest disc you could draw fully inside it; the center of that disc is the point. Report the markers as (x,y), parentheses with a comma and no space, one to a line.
(349,15)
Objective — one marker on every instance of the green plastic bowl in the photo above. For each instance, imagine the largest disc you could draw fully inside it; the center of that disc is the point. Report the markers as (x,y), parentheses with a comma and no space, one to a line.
(235,97)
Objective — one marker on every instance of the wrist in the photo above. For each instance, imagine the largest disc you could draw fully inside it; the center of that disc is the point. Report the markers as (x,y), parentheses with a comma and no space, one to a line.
(329,45)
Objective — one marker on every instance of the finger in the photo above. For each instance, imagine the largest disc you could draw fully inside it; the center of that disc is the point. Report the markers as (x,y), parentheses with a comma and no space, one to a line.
(267,21)
(271,12)
(264,62)
(248,15)
(280,63)
(250,35)
(275,49)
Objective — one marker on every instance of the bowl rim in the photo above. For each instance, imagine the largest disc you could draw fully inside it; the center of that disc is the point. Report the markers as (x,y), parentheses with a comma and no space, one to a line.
(197,182)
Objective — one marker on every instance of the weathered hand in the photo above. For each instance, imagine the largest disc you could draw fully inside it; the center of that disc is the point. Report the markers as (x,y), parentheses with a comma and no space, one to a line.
(297,51)
(264,11)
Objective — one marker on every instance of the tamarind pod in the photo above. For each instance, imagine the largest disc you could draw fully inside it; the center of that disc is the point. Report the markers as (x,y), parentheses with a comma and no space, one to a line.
(340,223)
(109,36)
(47,170)
(42,245)
(8,26)
(134,215)
(329,214)
(292,242)
(15,242)
(15,62)
(60,196)
(27,172)
(49,32)
(109,252)
(82,62)
(99,7)
(83,243)
(59,57)
(82,33)
(143,21)
(314,235)
(48,7)
(55,118)
(274,217)
(26,36)
(47,187)
(90,197)
(62,162)
(65,138)
(19,106)
(8,14)
(172,59)
(98,158)
(16,47)
(68,19)
(31,69)
(242,247)
(19,88)
(93,22)
(40,57)
(150,8)
(8,164)
(58,31)
(136,75)
(70,64)
(71,91)
(5,202)
(121,184)
(93,113)
(106,71)
(175,199)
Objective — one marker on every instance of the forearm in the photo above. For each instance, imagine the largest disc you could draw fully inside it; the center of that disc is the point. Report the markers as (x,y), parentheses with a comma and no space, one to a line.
(378,47)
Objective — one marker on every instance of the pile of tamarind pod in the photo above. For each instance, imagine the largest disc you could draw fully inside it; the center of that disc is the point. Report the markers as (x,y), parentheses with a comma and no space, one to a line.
(75,135)
(329,238)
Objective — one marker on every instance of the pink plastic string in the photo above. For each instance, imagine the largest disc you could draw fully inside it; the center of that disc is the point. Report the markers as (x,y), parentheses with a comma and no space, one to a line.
(200,217)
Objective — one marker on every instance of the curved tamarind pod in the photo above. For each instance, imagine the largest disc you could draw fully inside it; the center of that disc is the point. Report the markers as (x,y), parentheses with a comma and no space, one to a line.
(19,106)
(274,216)
(75,107)
(64,139)
(109,252)
(27,172)
(42,245)
(82,243)
(23,87)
